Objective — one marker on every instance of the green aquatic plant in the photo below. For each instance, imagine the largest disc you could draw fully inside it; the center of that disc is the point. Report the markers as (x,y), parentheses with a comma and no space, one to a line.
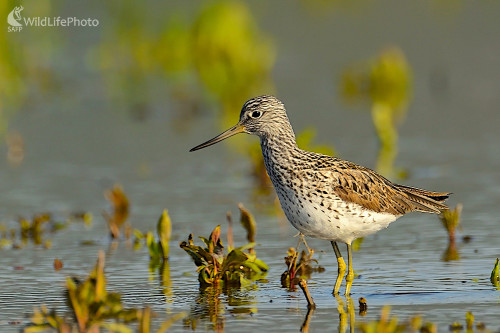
(93,309)
(495,275)
(299,265)
(36,228)
(235,269)
(451,221)
(385,82)
(159,249)
(91,306)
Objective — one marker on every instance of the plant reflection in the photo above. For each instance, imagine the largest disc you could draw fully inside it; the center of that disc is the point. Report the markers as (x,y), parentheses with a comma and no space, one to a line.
(207,306)
(165,281)
(214,303)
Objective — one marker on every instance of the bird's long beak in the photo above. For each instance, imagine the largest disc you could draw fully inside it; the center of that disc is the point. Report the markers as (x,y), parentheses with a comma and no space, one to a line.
(238,128)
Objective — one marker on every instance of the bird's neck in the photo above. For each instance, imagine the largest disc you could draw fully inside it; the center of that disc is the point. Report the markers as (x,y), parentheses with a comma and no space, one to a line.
(278,151)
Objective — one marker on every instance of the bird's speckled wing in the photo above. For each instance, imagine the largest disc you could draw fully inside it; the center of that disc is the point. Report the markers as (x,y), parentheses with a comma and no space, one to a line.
(365,187)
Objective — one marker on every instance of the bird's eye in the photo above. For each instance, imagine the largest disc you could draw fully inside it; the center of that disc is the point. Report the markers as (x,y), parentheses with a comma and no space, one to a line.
(256,114)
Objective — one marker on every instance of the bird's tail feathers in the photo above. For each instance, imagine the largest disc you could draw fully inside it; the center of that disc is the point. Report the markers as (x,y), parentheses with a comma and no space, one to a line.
(426,201)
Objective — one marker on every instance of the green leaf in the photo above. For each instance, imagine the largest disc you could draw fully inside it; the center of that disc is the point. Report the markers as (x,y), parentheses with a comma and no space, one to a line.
(152,245)
(206,241)
(246,247)
(255,268)
(235,258)
(262,265)
(495,274)
(164,229)
(197,253)
(205,277)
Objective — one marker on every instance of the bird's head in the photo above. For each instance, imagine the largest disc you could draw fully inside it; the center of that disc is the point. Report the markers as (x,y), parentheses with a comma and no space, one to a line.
(263,116)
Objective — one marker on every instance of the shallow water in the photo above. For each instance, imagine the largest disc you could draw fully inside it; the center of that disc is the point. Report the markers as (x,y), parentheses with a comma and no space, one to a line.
(78,145)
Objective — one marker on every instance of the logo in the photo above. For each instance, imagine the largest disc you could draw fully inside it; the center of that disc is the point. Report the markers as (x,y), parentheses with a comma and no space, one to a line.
(17,23)
(13,19)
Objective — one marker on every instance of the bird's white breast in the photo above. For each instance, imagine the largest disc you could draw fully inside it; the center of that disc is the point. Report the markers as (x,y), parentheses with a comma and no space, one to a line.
(331,219)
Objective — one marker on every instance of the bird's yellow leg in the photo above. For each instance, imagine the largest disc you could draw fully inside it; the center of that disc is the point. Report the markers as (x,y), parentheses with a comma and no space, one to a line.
(350,273)
(341,269)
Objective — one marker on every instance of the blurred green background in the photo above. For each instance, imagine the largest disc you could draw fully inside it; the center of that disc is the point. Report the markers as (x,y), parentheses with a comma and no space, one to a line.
(409,88)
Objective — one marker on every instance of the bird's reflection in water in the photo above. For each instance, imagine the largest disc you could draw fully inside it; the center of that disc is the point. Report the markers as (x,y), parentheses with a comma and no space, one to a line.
(345,311)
